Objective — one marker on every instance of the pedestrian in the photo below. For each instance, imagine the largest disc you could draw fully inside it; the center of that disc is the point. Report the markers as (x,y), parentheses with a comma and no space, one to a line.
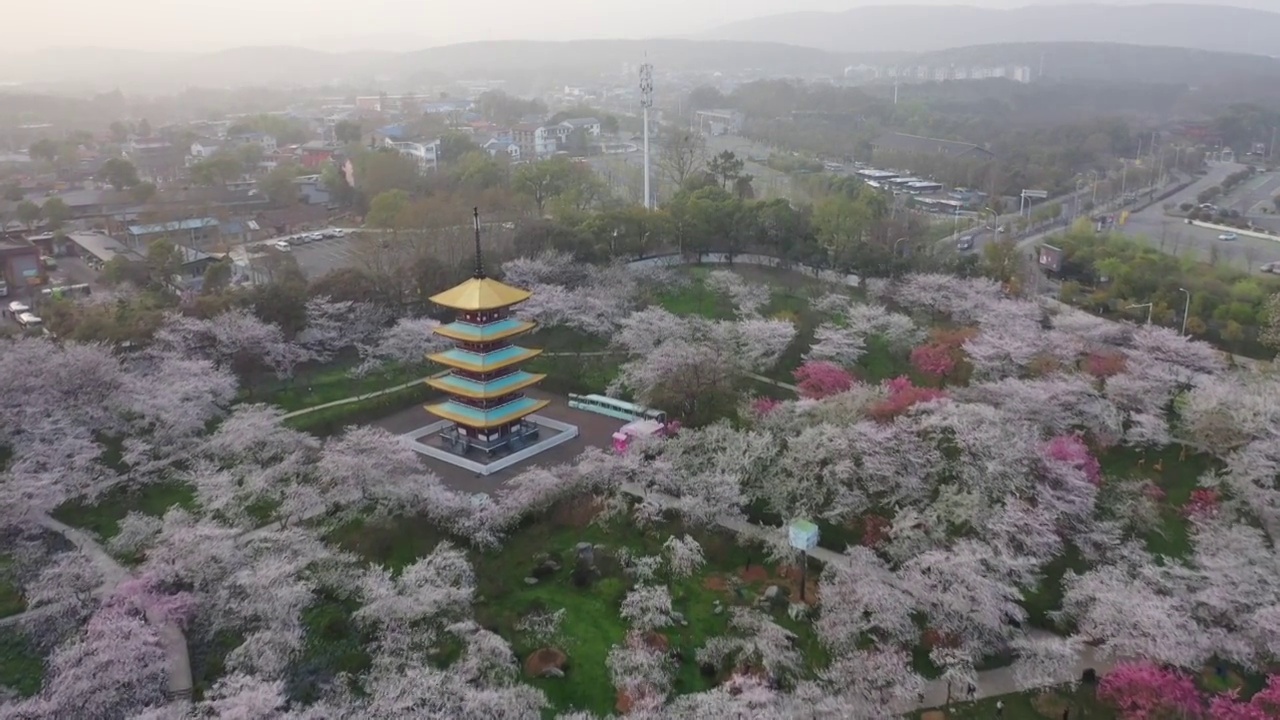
(999,708)
(972,691)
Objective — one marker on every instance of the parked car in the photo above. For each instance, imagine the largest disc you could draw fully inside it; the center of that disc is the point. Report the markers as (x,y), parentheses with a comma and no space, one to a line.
(1228,236)
(966,243)
(1271,267)
(282,246)
(339,232)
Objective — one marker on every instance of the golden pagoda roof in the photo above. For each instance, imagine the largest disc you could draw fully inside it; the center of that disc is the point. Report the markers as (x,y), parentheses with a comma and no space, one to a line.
(480,294)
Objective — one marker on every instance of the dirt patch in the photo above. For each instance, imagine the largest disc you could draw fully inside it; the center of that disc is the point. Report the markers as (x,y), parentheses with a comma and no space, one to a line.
(715,583)
(789,576)
(577,513)
(933,715)
(754,574)
(545,659)
(657,641)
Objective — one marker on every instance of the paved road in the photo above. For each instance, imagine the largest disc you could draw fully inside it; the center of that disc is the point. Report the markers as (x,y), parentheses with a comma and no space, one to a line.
(1172,235)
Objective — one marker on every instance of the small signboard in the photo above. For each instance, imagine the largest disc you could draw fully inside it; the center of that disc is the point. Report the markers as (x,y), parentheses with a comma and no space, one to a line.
(803,534)
(1050,258)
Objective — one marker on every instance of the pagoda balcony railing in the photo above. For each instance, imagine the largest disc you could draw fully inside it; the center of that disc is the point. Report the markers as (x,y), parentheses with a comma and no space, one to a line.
(484,404)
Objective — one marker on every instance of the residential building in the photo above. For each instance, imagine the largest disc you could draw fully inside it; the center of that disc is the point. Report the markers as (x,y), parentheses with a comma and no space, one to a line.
(262,140)
(311,190)
(98,249)
(589,125)
(316,154)
(538,141)
(426,154)
(498,146)
(204,148)
(238,232)
(919,145)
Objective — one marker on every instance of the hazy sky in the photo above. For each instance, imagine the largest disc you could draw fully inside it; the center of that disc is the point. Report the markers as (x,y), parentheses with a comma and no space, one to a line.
(398,24)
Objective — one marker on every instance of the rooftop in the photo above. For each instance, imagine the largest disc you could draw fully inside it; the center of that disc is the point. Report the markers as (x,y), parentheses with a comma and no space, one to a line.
(473,417)
(480,294)
(176,226)
(904,142)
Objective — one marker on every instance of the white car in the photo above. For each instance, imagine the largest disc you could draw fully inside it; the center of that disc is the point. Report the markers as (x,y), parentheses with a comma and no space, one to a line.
(17,307)
(1228,236)
(282,246)
(1271,267)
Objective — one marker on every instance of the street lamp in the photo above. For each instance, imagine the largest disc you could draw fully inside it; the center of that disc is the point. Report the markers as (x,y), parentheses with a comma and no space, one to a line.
(1148,306)
(1186,309)
(646,102)
(995,217)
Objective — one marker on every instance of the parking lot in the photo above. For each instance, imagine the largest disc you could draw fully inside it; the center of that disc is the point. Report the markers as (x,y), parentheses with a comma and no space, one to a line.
(318,258)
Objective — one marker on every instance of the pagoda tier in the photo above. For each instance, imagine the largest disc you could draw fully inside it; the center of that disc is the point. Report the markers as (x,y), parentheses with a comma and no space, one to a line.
(484,385)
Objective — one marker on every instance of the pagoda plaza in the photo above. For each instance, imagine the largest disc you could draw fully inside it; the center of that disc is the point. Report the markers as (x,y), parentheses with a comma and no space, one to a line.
(486,422)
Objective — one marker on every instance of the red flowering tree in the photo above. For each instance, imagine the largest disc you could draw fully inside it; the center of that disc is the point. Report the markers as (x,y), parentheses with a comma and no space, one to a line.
(819,379)
(933,360)
(1264,705)
(1145,691)
(1103,365)
(902,395)
(1070,449)
(875,530)
(1203,503)
(764,405)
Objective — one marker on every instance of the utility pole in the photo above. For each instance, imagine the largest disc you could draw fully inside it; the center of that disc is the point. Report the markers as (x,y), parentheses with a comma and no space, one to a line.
(646,102)
(1271,151)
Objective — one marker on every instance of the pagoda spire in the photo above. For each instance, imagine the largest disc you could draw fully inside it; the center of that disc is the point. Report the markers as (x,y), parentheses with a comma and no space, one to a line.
(479,259)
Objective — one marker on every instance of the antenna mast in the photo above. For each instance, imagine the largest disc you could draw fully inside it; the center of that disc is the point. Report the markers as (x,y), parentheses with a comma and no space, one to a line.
(646,102)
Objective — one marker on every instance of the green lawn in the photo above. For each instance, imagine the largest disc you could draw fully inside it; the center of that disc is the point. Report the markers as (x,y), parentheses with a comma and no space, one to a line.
(21,667)
(1173,472)
(592,624)
(103,517)
(332,383)
(11,600)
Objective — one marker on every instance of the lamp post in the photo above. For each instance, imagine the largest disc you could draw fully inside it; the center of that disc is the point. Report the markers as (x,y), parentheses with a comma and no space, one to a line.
(1186,309)
(1148,306)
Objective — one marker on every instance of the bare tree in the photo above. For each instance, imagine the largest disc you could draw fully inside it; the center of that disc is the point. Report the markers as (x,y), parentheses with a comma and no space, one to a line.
(1250,255)
(682,153)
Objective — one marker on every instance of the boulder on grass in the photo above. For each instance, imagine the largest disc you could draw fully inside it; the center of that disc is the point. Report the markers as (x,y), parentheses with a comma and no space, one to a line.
(541,661)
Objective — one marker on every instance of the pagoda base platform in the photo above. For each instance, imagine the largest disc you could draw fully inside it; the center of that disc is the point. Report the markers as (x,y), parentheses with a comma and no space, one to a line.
(438,442)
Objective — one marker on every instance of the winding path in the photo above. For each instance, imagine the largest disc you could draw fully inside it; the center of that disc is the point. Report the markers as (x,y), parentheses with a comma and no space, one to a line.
(113,573)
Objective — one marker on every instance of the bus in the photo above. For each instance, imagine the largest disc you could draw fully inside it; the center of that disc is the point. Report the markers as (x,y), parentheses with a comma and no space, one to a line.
(65,291)
(615,408)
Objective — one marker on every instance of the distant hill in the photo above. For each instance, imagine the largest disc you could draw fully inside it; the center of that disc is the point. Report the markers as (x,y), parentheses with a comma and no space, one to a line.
(916,28)
(1114,62)
(558,61)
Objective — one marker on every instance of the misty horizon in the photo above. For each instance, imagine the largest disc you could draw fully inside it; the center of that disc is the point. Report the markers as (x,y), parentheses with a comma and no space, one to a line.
(380,25)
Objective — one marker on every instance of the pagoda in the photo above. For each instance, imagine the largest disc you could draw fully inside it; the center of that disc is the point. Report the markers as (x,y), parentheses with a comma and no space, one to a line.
(486,408)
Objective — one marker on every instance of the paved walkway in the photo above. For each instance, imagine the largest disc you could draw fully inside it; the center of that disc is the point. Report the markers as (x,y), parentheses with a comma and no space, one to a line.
(358,398)
(113,573)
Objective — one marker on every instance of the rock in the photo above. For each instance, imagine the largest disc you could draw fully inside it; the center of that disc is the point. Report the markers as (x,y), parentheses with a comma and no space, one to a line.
(541,662)
(531,581)
(546,569)
(583,548)
(771,592)
(797,611)
(717,610)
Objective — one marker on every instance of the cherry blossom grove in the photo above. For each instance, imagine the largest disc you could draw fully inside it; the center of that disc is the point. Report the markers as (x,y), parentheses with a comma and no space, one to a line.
(1000,490)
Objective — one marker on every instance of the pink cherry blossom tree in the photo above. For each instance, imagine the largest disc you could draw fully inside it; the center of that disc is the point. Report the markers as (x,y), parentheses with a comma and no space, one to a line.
(818,379)
(1144,691)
